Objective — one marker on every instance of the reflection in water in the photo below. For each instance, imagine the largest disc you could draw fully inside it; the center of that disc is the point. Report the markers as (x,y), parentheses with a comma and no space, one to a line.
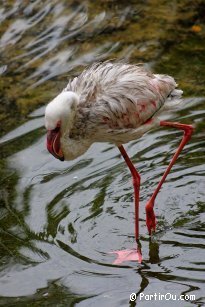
(60,221)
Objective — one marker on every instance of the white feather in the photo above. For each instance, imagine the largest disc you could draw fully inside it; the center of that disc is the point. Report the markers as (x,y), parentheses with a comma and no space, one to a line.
(63,105)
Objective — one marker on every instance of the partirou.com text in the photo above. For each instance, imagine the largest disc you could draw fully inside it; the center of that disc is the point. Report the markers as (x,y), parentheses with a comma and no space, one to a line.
(162,297)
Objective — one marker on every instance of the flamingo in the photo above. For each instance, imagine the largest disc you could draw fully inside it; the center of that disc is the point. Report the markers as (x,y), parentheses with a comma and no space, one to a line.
(116,103)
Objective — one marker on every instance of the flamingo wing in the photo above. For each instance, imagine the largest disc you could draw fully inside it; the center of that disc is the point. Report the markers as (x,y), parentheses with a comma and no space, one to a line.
(118,97)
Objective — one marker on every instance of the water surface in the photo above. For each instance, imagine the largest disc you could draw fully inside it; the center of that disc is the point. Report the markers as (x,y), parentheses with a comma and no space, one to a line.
(59,221)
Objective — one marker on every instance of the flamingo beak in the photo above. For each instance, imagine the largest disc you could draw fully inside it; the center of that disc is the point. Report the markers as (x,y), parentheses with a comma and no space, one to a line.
(53,143)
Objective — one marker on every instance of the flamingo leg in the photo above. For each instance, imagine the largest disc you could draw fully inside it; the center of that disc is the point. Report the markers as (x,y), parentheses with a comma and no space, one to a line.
(135,253)
(188,130)
(136,185)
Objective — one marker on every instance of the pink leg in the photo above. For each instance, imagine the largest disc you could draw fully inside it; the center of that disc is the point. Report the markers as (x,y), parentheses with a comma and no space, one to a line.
(136,184)
(150,216)
(135,253)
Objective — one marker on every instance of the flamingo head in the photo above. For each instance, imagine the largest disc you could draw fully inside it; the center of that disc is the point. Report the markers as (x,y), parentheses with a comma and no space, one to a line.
(59,116)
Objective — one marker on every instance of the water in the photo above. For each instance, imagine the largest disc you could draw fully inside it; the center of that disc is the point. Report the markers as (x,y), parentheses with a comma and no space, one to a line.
(60,221)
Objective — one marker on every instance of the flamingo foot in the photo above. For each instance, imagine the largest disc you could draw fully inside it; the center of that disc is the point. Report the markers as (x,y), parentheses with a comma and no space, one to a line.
(150,217)
(127,255)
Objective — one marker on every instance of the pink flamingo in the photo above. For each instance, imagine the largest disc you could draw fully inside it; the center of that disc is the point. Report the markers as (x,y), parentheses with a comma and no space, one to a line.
(117,103)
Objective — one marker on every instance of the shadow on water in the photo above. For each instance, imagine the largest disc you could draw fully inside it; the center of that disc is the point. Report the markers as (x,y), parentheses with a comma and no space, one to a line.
(59,221)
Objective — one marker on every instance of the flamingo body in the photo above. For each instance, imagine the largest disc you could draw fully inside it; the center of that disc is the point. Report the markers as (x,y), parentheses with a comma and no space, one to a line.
(111,102)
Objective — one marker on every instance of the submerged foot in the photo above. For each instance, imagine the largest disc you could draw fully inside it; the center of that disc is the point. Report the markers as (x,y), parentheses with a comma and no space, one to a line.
(150,218)
(128,255)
